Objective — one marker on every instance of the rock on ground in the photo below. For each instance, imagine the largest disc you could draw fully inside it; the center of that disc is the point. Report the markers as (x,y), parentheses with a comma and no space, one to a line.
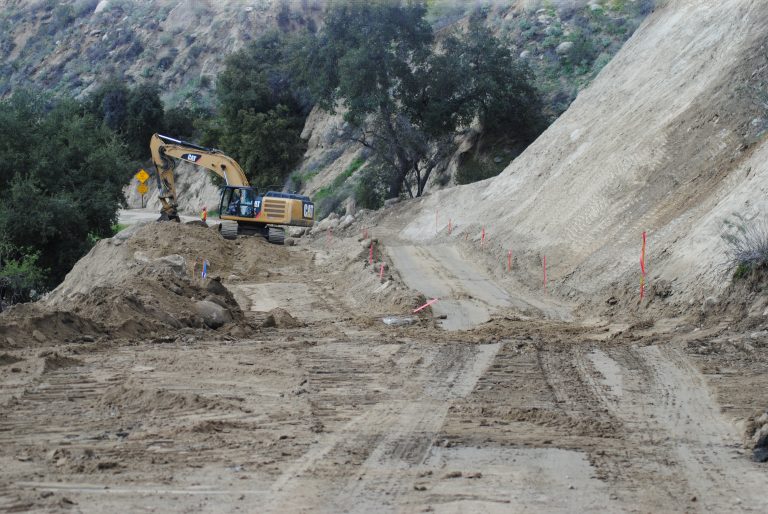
(281,318)
(213,314)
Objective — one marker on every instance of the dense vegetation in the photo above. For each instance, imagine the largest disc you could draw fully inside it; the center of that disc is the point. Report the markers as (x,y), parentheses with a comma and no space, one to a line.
(63,166)
(62,171)
(406,94)
(134,114)
(262,109)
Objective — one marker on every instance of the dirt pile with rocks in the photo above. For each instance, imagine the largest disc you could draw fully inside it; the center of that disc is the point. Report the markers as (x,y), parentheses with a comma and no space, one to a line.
(147,280)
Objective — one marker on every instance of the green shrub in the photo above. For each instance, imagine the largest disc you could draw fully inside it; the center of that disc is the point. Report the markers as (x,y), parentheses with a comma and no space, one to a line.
(747,244)
(302,179)
(583,49)
(371,188)
(20,280)
(72,189)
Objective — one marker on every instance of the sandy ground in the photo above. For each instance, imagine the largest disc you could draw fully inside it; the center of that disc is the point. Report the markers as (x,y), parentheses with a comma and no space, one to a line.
(477,407)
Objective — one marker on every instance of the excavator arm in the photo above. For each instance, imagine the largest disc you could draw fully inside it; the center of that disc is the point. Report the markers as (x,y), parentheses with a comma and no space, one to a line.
(165,150)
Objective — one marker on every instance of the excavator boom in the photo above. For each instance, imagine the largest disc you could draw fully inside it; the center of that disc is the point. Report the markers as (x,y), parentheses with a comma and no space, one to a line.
(166,149)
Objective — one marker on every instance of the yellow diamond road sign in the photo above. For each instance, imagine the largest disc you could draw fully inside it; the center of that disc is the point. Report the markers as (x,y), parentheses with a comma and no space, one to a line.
(142,176)
(142,188)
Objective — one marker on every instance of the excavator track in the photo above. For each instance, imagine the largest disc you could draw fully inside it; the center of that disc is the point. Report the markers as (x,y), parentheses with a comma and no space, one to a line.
(228,229)
(276,235)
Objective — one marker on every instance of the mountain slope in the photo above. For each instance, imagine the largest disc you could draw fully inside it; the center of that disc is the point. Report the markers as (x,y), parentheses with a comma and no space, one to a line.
(669,139)
(68,46)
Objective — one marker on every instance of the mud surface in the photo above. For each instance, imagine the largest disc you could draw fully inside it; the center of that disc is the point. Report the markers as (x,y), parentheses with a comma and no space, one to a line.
(308,402)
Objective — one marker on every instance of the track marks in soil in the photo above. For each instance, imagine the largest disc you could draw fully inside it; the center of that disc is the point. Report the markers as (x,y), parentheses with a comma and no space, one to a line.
(677,437)
(390,439)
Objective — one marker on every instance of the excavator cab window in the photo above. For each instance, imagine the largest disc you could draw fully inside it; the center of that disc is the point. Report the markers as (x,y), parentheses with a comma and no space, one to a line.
(238,202)
(246,203)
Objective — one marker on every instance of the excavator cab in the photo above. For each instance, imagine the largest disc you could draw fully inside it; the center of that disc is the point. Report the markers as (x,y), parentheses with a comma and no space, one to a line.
(240,202)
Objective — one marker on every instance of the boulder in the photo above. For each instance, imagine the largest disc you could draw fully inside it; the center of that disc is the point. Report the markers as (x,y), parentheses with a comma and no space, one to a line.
(709,304)
(346,221)
(661,288)
(760,439)
(350,206)
(564,47)
(328,223)
(213,315)
(216,287)
(176,262)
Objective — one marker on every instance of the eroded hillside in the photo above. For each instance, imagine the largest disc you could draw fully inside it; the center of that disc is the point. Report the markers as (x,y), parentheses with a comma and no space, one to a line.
(669,139)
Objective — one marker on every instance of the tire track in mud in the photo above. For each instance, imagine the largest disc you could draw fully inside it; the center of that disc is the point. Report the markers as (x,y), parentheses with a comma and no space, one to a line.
(66,426)
(679,445)
(571,390)
(391,438)
(642,468)
(52,408)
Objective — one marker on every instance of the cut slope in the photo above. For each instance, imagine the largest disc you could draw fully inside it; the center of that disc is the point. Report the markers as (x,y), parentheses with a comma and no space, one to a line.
(668,139)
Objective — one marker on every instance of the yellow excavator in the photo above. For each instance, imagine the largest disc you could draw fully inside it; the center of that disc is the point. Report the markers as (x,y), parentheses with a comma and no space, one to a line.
(241,209)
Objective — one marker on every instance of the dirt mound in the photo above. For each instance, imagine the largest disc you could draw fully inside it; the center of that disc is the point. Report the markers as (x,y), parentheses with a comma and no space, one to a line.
(744,301)
(34,323)
(133,398)
(146,280)
(53,361)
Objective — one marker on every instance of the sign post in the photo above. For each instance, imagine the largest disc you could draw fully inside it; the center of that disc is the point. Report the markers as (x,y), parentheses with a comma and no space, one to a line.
(142,176)
(642,269)
(142,189)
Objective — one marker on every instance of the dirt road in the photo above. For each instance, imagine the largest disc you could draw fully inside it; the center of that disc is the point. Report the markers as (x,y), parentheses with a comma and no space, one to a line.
(341,413)
(133,216)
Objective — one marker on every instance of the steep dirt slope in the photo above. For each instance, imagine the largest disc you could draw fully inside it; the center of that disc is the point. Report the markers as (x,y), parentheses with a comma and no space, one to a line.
(668,139)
